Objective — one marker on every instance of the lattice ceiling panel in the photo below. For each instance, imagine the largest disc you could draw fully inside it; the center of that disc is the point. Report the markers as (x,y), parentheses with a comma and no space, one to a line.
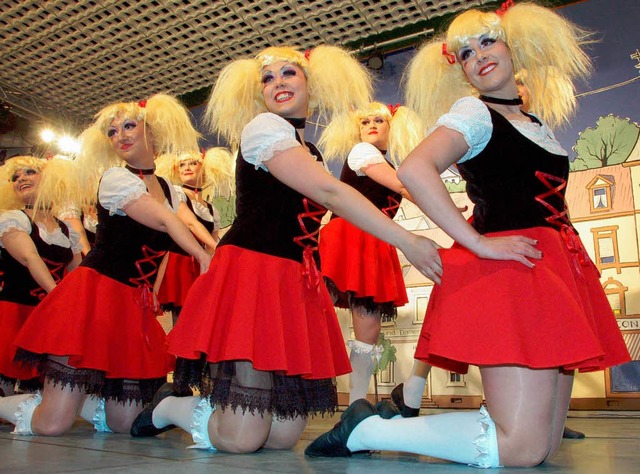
(65,59)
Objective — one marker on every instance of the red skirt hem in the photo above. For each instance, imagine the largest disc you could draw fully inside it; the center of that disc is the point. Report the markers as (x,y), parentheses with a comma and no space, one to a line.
(489,312)
(12,318)
(362,264)
(180,273)
(264,309)
(100,324)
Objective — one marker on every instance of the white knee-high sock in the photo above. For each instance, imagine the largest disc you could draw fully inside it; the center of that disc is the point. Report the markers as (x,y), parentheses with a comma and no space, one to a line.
(362,368)
(175,411)
(9,406)
(412,391)
(464,437)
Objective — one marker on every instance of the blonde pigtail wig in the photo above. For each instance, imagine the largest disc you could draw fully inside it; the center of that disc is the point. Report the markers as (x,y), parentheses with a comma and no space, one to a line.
(544,43)
(551,49)
(236,97)
(171,125)
(338,82)
(167,167)
(60,186)
(431,84)
(343,132)
(167,119)
(218,169)
(216,176)
(235,100)
(405,133)
(59,183)
(339,136)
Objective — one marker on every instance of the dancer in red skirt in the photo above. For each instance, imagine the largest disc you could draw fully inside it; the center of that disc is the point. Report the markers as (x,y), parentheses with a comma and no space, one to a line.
(36,250)
(194,176)
(363,273)
(258,334)
(519,296)
(96,333)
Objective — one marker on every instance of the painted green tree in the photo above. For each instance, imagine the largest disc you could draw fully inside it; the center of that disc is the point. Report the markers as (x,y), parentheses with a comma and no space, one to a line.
(610,142)
(226,206)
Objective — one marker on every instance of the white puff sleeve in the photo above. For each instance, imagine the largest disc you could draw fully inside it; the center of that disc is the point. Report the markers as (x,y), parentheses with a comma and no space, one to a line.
(118,188)
(470,117)
(14,220)
(363,155)
(266,134)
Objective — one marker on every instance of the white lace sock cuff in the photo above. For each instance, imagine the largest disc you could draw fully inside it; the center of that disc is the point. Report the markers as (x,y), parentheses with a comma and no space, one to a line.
(487,442)
(360,347)
(24,413)
(99,419)
(200,425)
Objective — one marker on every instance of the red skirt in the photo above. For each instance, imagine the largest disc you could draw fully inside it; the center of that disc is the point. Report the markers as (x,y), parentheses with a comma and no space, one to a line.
(360,263)
(100,324)
(264,309)
(12,318)
(181,272)
(490,312)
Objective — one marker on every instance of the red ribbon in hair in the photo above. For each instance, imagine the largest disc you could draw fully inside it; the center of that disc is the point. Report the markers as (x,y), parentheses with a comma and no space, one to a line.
(451,58)
(504,7)
(393,108)
(142,103)
(307,53)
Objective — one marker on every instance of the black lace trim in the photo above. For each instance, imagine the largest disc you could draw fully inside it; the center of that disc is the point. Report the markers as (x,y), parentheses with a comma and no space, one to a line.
(21,386)
(287,397)
(92,381)
(348,300)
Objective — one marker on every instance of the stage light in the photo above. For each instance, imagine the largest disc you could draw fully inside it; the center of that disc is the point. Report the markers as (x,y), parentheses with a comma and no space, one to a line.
(47,135)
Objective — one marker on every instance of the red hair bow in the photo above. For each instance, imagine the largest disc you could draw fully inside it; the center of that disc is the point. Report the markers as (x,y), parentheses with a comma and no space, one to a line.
(451,58)
(504,7)
(142,103)
(393,108)
(307,53)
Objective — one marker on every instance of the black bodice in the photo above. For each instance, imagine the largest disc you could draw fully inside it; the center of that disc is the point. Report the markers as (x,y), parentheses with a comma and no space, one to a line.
(381,197)
(268,212)
(127,250)
(18,285)
(505,178)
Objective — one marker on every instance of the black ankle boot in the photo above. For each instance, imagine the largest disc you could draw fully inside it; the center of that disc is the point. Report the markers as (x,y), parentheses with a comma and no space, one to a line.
(398,398)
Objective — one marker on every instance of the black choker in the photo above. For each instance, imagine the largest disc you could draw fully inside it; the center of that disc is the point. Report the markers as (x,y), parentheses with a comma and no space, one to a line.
(496,100)
(192,188)
(296,122)
(140,172)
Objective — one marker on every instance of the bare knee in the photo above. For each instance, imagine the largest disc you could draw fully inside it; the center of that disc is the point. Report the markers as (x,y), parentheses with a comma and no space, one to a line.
(51,427)
(525,454)
(236,444)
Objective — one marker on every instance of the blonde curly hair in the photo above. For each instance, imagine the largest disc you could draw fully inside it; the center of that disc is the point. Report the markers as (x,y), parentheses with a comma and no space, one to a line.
(216,176)
(59,183)
(168,120)
(406,130)
(549,47)
(336,83)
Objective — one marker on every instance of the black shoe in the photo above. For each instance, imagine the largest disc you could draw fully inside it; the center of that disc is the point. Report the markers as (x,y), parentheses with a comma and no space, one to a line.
(143,424)
(398,398)
(572,434)
(386,409)
(333,443)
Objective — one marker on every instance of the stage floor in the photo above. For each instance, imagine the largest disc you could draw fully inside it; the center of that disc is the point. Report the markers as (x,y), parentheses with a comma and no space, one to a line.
(612,446)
